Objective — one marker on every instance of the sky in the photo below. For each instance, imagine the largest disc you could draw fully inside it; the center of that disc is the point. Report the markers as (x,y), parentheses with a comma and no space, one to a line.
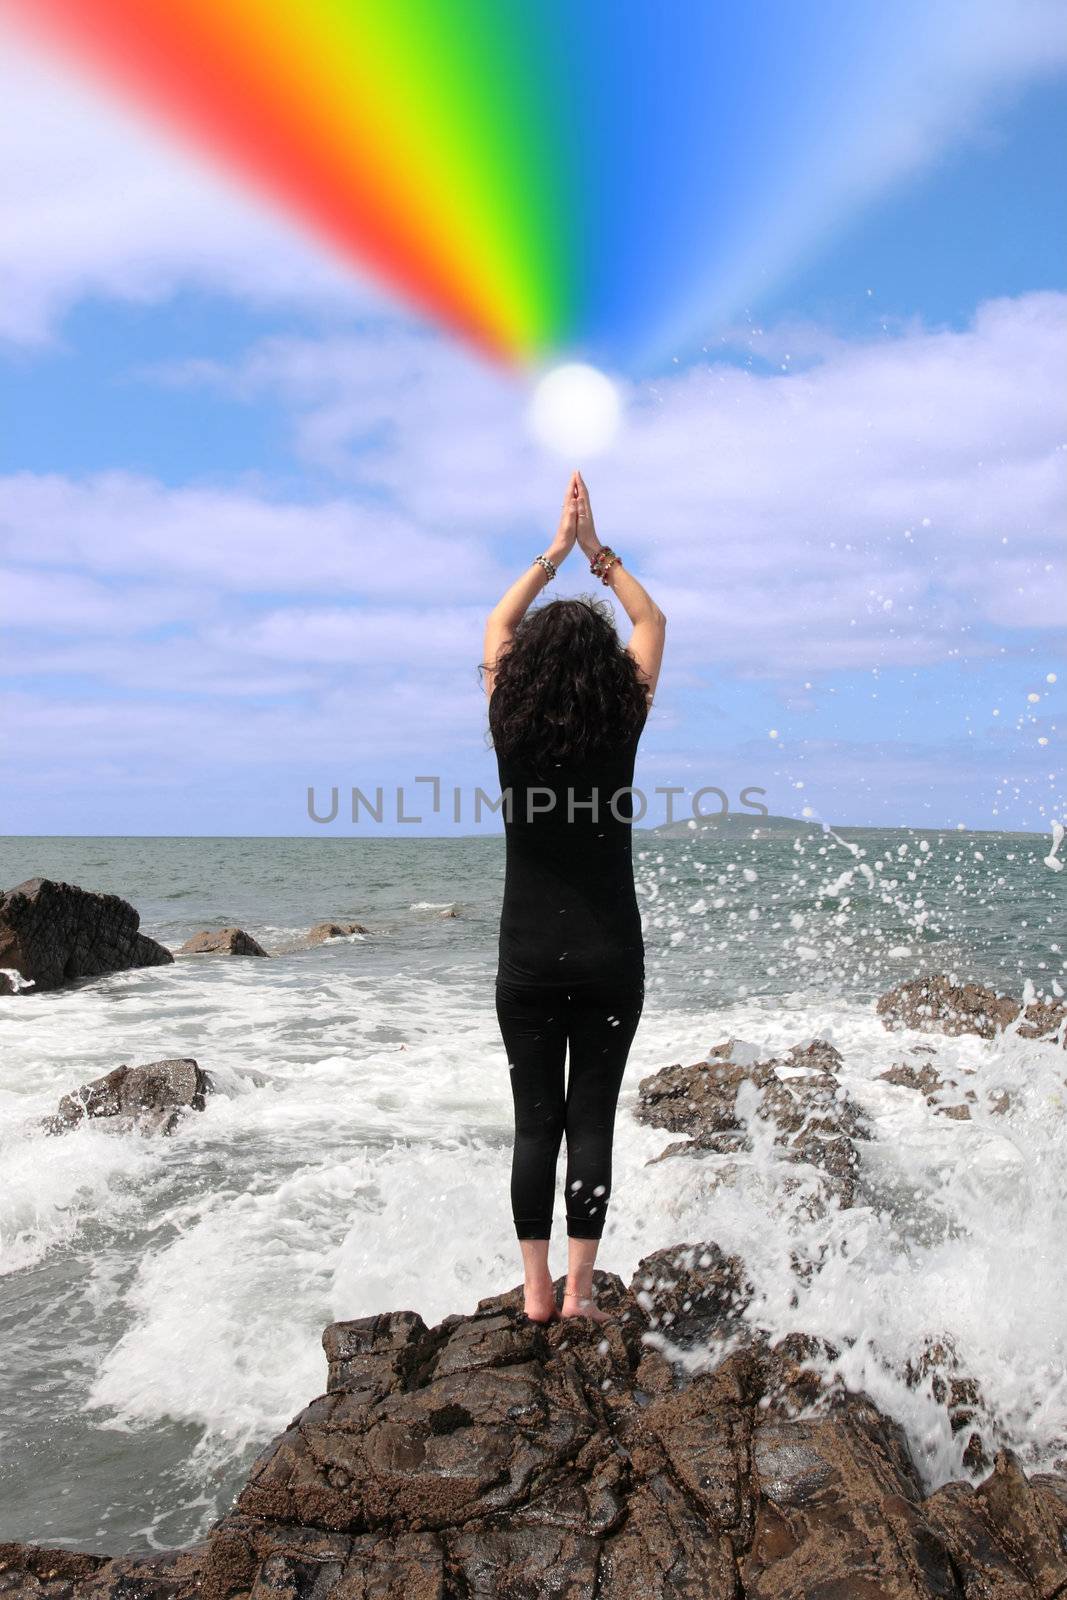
(254,509)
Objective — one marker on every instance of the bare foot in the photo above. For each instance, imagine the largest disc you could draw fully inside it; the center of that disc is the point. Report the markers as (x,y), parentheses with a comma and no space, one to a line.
(540,1302)
(575,1305)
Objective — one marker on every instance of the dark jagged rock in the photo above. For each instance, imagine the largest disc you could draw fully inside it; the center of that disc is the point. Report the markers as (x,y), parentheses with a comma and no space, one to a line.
(816,1122)
(488,1457)
(947,1096)
(1008,1536)
(925,1078)
(937,1368)
(222,942)
(334,930)
(685,1289)
(935,1004)
(151,1098)
(53,933)
(38,1572)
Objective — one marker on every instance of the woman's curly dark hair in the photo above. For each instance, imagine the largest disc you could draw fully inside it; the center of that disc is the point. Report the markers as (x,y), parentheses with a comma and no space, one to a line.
(565,688)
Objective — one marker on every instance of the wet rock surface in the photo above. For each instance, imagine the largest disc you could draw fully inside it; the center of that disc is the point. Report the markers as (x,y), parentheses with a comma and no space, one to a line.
(334,930)
(938,1005)
(147,1099)
(487,1456)
(222,942)
(41,1572)
(53,933)
(813,1119)
(936,1367)
(949,1094)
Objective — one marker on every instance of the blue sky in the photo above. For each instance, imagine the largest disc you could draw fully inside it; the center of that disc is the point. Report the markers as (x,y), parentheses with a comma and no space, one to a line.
(254,512)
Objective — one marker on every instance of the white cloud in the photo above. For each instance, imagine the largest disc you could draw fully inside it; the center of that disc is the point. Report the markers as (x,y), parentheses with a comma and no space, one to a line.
(861,511)
(893,504)
(428,638)
(67,603)
(118,524)
(896,505)
(95,202)
(352,727)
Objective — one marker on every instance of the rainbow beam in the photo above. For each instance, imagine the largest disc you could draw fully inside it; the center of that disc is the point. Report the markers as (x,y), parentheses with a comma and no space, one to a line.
(537,175)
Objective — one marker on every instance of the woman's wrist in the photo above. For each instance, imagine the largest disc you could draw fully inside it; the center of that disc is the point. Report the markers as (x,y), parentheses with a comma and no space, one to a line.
(557,552)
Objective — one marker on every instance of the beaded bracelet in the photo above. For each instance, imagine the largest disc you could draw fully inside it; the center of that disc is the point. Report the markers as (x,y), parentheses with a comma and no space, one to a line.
(603,562)
(549,566)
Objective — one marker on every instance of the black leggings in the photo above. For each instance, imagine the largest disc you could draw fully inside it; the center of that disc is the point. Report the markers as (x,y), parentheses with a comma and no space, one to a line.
(598,1021)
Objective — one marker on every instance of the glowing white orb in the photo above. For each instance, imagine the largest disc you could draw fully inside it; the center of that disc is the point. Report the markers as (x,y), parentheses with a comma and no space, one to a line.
(575,410)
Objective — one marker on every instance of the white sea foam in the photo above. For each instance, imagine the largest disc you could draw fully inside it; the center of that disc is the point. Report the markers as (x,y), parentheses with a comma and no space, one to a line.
(956,1235)
(370,1172)
(379,1181)
(51,1190)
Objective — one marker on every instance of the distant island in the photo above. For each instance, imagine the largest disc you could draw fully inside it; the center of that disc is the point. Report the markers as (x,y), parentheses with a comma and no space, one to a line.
(747,823)
(750,825)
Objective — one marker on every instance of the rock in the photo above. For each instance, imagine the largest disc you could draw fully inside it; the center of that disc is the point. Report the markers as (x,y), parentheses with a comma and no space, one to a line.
(948,1095)
(938,1005)
(937,1369)
(816,1122)
(925,1078)
(488,1457)
(149,1099)
(222,942)
(53,933)
(38,1572)
(1045,1019)
(334,930)
(1008,1535)
(698,1098)
(933,1087)
(682,1290)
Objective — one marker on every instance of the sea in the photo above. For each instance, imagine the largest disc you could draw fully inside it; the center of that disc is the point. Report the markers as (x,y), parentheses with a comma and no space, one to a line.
(162,1300)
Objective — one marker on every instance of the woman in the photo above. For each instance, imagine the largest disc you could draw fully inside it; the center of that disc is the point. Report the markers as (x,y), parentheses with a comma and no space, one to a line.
(567,704)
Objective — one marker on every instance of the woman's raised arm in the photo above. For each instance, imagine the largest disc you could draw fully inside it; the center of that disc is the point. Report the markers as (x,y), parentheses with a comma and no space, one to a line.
(649,622)
(515,602)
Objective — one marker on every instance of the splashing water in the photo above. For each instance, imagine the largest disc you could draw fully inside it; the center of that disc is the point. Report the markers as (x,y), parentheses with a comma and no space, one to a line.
(162,1300)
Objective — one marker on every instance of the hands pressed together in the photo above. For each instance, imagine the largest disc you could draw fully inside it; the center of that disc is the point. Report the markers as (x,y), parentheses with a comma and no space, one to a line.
(576,527)
(576,522)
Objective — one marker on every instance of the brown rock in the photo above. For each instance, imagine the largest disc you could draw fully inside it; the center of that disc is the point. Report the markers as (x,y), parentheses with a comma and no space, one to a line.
(53,933)
(151,1098)
(948,1095)
(816,1122)
(937,1368)
(698,1098)
(27,1569)
(490,1457)
(38,1572)
(1044,1019)
(334,930)
(925,1078)
(935,1004)
(840,1514)
(362,1354)
(1009,1534)
(222,941)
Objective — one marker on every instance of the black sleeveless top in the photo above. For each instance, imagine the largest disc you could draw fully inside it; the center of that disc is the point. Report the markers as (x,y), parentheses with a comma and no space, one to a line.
(570,914)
